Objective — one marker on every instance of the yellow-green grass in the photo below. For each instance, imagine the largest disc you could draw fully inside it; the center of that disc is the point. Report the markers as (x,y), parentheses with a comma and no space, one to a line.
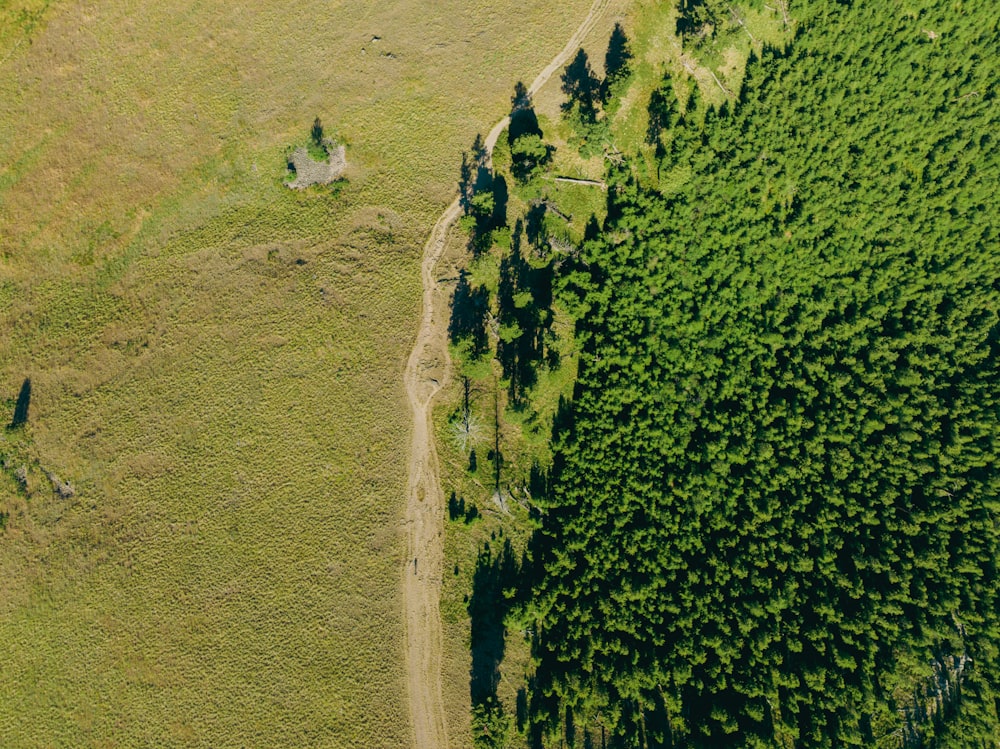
(216,360)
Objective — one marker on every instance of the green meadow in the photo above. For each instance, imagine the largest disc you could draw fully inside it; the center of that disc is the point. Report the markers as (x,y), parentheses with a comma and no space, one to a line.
(216,360)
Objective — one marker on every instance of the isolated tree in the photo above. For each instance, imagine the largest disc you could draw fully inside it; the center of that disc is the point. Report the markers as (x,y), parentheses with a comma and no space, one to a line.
(317,132)
(482,205)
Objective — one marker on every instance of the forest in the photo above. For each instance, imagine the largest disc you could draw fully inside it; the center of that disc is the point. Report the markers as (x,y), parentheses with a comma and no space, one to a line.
(770,514)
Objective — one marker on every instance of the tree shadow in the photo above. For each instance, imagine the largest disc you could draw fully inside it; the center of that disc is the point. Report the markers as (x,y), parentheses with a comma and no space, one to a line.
(693,16)
(474,174)
(466,182)
(501,196)
(663,110)
(616,61)
(22,405)
(495,576)
(538,481)
(618,56)
(523,120)
(468,315)
(534,224)
(459,510)
(524,299)
(581,86)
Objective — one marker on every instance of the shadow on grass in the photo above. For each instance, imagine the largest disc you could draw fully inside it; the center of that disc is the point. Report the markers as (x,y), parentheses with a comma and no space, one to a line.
(22,405)
(492,584)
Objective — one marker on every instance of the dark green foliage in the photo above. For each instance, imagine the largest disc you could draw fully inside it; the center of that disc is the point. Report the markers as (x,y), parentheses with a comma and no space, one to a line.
(772,519)
(22,405)
(490,726)
(482,207)
(317,132)
(529,154)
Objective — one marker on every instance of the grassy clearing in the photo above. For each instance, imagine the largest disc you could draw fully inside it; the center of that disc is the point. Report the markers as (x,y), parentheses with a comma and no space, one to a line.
(658,50)
(217,360)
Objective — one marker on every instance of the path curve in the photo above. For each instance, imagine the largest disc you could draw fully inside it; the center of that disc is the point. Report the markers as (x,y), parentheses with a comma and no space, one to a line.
(427,371)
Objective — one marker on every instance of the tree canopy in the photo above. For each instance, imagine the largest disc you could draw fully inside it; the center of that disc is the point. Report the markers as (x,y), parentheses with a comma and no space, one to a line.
(772,517)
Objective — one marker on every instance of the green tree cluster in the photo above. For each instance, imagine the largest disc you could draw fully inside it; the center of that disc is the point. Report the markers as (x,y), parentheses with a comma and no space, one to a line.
(773,515)
(587,95)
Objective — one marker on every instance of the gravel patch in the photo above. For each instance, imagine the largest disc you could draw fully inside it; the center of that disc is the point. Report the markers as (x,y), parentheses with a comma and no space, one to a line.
(310,172)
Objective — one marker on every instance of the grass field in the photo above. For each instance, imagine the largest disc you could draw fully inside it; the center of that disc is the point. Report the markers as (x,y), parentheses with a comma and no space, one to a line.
(216,360)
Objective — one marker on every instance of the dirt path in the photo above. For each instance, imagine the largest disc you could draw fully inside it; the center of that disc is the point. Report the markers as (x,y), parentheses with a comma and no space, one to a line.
(427,371)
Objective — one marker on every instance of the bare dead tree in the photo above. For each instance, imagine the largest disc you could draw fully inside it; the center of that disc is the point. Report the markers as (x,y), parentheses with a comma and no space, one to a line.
(692,69)
(738,19)
(783,9)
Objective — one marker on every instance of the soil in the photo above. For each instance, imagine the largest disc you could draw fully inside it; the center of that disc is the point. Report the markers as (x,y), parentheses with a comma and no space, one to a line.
(309,172)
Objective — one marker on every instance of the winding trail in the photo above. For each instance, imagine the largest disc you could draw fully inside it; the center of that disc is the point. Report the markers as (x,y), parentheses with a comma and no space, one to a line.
(427,371)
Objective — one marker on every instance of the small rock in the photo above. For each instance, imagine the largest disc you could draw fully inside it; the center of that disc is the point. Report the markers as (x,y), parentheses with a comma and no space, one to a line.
(64,490)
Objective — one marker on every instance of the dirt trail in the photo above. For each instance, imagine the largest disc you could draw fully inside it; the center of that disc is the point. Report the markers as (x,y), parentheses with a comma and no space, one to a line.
(427,371)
